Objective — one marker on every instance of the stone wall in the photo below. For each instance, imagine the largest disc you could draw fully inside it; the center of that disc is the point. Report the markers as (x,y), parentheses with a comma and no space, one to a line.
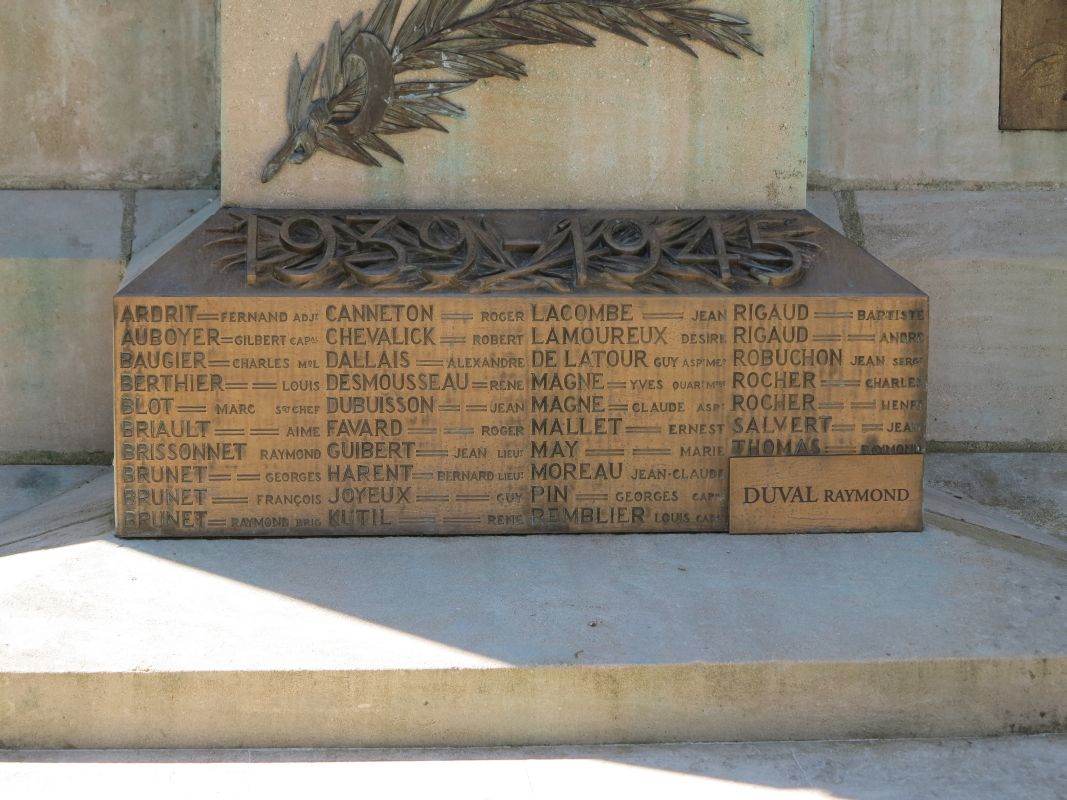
(907,94)
(108,93)
(125,94)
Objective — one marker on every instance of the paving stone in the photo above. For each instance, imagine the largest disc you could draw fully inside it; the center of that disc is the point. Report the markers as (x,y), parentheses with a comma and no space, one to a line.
(22,488)
(1032,767)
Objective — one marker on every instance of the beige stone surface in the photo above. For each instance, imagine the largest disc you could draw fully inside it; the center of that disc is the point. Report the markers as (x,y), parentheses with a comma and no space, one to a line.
(108,93)
(995,267)
(60,261)
(909,92)
(617,125)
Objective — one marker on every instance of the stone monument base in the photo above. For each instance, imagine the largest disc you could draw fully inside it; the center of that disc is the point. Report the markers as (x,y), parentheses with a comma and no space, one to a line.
(358,373)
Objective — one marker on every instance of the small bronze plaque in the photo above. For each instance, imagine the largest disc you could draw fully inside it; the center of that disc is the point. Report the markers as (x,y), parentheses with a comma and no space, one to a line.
(1033,65)
(826,494)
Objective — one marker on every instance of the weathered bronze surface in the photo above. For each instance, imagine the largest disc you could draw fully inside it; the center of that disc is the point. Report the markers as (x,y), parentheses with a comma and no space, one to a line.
(1033,65)
(826,494)
(529,252)
(267,410)
(348,96)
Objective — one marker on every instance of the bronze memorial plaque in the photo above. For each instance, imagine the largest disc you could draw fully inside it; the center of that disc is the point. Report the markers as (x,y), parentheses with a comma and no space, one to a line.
(1033,65)
(828,494)
(358,373)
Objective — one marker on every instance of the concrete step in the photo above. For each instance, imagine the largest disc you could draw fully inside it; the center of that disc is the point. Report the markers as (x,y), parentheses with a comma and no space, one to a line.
(1033,767)
(475,641)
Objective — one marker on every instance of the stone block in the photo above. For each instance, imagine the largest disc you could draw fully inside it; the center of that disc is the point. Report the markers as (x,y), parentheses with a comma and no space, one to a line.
(824,206)
(158,212)
(616,125)
(908,92)
(107,94)
(60,262)
(995,267)
(464,641)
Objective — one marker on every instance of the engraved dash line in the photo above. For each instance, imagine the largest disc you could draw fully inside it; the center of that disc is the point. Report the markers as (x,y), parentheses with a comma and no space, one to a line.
(422,362)
(832,406)
(209,317)
(644,429)
(861,337)
(479,384)
(431,453)
(453,340)
(449,406)
(616,384)
(218,362)
(422,476)
(191,409)
(264,386)
(663,315)
(650,451)
(592,496)
(231,385)
(459,431)
(878,427)
(457,316)
(826,338)
(834,315)
(461,520)
(472,498)
(865,405)
(220,477)
(843,428)
(431,498)
(229,431)
(477,408)
(841,383)
(600,452)
(422,431)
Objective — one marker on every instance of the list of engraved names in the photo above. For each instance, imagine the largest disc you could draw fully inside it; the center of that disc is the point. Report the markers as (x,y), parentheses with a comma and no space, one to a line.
(370,416)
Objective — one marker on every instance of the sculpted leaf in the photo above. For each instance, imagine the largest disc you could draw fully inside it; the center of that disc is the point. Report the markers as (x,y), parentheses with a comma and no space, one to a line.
(348,97)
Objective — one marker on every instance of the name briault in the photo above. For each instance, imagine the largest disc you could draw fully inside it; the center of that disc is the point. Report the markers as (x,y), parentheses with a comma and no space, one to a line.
(769,495)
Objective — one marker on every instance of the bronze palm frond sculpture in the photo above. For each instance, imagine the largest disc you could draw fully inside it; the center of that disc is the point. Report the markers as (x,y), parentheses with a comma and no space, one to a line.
(348,97)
